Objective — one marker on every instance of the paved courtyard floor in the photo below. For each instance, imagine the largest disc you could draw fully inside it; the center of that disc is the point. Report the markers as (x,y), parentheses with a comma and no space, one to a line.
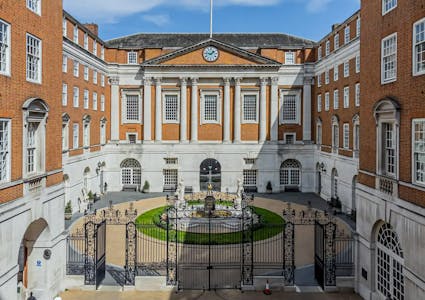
(219,295)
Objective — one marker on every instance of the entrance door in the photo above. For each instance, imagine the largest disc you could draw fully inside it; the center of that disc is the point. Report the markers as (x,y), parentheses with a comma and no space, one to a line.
(210,172)
(319,253)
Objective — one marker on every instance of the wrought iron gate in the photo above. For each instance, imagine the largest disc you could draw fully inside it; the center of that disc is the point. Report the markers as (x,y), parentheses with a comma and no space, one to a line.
(95,259)
(324,253)
(199,259)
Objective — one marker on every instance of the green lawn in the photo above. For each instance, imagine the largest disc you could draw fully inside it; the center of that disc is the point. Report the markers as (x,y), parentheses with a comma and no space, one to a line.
(270,225)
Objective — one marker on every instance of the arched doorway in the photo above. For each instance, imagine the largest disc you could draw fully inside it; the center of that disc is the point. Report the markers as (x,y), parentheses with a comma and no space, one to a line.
(389,264)
(32,258)
(131,174)
(210,172)
(290,175)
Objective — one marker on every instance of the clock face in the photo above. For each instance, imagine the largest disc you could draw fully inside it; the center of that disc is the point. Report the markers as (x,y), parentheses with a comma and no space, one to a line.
(210,54)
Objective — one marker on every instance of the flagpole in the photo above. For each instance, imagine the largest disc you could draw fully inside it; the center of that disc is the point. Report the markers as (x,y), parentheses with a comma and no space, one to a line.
(211,19)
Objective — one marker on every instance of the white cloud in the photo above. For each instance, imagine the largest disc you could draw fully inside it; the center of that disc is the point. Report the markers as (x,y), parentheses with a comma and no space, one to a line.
(158,20)
(314,6)
(110,11)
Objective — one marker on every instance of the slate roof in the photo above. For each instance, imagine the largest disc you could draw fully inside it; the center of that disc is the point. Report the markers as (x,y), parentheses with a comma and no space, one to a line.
(180,40)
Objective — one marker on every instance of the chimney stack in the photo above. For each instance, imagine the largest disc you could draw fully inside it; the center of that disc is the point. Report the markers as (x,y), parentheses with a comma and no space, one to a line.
(334,26)
(94,28)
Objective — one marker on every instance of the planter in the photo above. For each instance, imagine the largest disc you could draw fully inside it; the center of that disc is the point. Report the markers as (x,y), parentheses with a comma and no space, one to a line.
(68,216)
(146,191)
(269,191)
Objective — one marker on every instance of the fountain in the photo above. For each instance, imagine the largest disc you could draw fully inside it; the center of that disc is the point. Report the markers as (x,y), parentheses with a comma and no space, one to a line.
(210,207)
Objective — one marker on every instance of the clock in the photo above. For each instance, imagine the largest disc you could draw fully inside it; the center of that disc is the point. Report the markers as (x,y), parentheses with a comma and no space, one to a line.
(210,54)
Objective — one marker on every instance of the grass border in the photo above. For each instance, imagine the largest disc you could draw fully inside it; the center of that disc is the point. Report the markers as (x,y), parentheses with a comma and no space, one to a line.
(270,225)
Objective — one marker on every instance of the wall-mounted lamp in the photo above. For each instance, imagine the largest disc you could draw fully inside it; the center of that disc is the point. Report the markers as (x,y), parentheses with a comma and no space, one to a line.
(322,167)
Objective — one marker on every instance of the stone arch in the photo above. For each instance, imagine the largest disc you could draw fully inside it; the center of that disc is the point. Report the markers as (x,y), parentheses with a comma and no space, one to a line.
(290,175)
(31,255)
(210,170)
(131,174)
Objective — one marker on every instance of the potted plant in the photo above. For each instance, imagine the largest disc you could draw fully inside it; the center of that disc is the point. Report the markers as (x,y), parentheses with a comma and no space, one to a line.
(269,187)
(68,211)
(146,187)
(90,196)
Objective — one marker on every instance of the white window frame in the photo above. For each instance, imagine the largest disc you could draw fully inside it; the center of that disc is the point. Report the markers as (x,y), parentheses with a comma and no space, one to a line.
(250,177)
(336,41)
(94,101)
(335,137)
(34,6)
(285,138)
(39,61)
(385,80)
(86,99)
(336,72)
(319,103)
(94,77)
(130,59)
(102,52)
(86,134)
(297,94)
(327,77)
(346,101)
(75,136)
(346,135)
(327,101)
(170,177)
(124,107)
(319,133)
(336,99)
(384,148)
(289,57)
(64,94)
(357,94)
(319,53)
(75,36)
(95,47)
(75,97)
(415,68)
(386,10)
(319,80)
(65,64)
(76,68)
(346,68)
(257,96)
(86,41)
(65,136)
(164,107)
(327,47)
(86,73)
(64,27)
(102,139)
(218,94)
(347,34)
(102,80)
(6,45)
(418,144)
(102,102)
(5,149)
(358,24)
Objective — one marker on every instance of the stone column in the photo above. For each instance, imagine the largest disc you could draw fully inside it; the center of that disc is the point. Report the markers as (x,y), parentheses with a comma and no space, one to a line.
(158,110)
(147,111)
(237,109)
(183,110)
(274,110)
(263,110)
(226,123)
(307,109)
(194,111)
(115,108)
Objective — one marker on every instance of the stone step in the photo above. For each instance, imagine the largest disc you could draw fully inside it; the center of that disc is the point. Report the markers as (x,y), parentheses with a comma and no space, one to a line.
(308,289)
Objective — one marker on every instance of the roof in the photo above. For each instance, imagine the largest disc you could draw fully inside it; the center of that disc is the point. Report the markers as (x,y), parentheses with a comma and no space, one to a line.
(180,40)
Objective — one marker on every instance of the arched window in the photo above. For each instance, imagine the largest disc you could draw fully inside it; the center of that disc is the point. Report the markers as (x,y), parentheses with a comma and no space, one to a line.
(131,173)
(290,174)
(210,172)
(389,264)
(334,186)
(35,115)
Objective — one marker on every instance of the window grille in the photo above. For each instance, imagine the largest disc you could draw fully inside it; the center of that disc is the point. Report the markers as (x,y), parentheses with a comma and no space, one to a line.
(210,108)
(290,171)
(33,58)
(170,177)
(250,108)
(389,58)
(4,150)
(289,108)
(133,109)
(419,47)
(171,108)
(4,47)
(250,178)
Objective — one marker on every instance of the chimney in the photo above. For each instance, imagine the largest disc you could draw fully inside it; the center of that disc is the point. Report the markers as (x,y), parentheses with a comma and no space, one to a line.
(94,28)
(334,26)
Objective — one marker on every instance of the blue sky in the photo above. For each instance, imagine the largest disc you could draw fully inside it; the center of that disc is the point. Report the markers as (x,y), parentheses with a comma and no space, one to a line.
(310,19)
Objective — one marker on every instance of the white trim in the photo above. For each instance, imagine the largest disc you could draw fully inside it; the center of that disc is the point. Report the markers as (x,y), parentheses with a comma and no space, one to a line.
(75,137)
(388,37)
(414,55)
(9,152)
(170,93)
(8,51)
(126,93)
(38,8)
(384,12)
(215,92)
(257,96)
(40,59)
(346,135)
(297,94)
(413,163)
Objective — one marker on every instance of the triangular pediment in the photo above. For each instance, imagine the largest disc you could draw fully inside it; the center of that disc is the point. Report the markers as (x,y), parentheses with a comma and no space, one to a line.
(228,55)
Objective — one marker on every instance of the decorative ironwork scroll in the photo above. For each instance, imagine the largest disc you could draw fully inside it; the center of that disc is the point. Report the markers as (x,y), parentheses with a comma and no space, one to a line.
(131,254)
(172,246)
(330,254)
(90,250)
(247,246)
